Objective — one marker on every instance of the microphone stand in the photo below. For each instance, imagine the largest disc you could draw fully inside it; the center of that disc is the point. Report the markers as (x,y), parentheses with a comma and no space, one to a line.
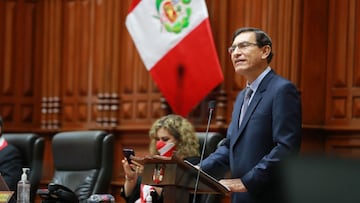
(211,107)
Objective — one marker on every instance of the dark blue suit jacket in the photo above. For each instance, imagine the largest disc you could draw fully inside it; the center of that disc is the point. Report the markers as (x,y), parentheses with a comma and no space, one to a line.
(11,163)
(269,133)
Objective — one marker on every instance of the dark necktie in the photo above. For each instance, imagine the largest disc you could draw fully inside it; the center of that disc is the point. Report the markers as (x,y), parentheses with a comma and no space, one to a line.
(248,93)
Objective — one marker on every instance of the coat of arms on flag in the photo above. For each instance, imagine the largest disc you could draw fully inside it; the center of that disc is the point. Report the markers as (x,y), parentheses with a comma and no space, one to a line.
(174,16)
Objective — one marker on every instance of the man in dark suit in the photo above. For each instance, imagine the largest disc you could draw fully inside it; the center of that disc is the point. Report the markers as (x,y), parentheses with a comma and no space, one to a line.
(10,162)
(265,127)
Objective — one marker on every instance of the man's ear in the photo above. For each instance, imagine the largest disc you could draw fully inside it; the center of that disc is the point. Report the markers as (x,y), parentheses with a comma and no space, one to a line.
(266,51)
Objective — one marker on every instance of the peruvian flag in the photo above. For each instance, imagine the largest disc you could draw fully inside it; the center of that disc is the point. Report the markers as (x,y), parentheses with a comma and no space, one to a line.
(174,40)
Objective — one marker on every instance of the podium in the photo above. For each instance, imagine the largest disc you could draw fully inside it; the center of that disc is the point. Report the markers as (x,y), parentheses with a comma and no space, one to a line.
(178,178)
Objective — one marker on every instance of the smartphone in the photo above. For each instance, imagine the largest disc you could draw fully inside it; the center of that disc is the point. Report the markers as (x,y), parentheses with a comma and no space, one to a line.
(127,153)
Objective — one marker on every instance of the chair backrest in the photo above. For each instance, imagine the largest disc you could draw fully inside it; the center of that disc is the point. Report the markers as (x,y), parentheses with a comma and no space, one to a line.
(31,146)
(212,140)
(83,161)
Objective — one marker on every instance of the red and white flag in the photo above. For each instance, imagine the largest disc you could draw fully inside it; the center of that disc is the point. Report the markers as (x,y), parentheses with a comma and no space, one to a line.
(174,40)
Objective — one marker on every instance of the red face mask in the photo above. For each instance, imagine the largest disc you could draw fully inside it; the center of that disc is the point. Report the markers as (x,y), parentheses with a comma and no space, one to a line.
(165,148)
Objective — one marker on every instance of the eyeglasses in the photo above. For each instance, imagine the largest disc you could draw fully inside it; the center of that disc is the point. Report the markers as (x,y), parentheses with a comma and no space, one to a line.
(241,45)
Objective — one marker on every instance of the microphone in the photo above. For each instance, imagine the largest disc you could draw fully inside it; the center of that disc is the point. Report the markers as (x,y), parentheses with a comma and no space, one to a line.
(212,104)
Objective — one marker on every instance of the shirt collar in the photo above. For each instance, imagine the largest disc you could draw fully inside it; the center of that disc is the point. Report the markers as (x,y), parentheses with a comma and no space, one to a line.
(255,84)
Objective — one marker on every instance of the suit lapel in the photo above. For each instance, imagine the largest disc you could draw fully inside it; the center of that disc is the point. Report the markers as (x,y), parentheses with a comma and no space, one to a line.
(254,102)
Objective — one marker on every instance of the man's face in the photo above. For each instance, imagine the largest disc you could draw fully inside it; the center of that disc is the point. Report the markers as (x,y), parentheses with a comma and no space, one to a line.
(246,56)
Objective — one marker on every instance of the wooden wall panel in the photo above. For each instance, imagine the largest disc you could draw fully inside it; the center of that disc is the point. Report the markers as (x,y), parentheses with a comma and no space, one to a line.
(18,88)
(343,145)
(51,64)
(2,34)
(313,61)
(99,50)
(7,48)
(356,30)
(7,86)
(219,22)
(343,90)
(115,64)
(75,55)
(99,47)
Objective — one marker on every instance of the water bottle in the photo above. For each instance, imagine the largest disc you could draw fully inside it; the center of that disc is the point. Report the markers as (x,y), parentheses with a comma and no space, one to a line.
(23,188)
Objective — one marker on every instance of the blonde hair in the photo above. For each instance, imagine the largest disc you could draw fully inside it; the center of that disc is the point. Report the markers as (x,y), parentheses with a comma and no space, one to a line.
(187,144)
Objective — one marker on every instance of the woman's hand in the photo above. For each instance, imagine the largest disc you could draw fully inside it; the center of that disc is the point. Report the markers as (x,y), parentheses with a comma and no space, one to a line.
(132,172)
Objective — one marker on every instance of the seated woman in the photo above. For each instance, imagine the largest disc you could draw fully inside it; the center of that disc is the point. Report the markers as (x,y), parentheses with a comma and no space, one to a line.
(169,134)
